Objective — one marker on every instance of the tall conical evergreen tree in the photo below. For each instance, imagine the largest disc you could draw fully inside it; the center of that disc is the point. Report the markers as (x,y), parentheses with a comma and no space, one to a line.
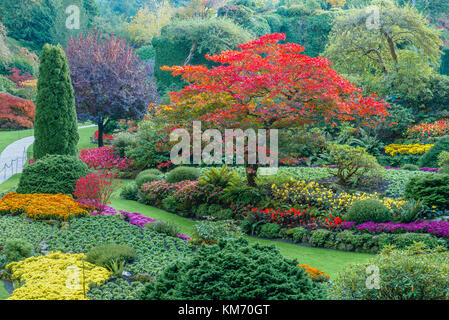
(55,128)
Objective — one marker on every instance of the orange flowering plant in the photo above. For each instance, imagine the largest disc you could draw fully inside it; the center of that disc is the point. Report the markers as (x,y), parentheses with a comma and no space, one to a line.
(425,131)
(316,274)
(42,206)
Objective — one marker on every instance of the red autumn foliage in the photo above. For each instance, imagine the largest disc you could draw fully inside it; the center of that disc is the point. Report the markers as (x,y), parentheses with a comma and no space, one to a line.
(18,76)
(15,112)
(265,84)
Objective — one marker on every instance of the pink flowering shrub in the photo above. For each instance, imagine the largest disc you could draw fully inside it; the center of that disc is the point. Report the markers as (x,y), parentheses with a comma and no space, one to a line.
(104,158)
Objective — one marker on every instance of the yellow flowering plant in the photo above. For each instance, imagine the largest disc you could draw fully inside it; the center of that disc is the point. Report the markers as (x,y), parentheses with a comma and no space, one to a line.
(313,194)
(55,276)
(415,149)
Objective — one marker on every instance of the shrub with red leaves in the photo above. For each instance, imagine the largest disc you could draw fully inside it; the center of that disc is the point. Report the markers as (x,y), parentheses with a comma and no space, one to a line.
(15,112)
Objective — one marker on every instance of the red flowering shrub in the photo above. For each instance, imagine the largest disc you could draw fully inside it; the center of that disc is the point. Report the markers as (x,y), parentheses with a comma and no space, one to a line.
(104,158)
(15,112)
(98,187)
(18,77)
(294,218)
(424,131)
(106,138)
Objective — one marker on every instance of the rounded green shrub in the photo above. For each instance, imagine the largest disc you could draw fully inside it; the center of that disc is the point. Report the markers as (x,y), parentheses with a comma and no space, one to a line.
(183,173)
(234,270)
(109,254)
(417,273)
(270,230)
(224,214)
(368,210)
(166,227)
(430,158)
(17,250)
(431,189)
(130,191)
(52,174)
(146,177)
(410,167)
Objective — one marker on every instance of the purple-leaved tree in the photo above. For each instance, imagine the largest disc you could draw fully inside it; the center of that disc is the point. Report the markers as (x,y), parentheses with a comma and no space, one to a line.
(109,79)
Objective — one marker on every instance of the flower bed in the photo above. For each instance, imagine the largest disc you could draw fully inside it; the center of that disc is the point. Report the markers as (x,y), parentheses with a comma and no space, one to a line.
(424,130)
(42,206)
(437,228)
(56,276)
(314,194)
(393,149)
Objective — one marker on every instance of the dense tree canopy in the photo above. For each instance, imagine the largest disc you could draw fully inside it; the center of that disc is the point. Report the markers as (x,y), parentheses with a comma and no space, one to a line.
(109,79)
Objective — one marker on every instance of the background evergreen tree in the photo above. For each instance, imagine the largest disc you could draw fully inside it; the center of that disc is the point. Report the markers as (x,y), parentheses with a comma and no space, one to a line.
(55,129)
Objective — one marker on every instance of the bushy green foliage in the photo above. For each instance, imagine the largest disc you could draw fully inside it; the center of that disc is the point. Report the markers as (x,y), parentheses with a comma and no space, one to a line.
(270,230)
(154,251)
(234,270)
(410,167)
(146,52)
(352,162)
(17,250)
(432,189)
(430,158)
(118,289)
(55,127)
(143,148)
(218,177)
(52,174)
(183,173)
(204,36)
(410,212)
(413,274)
(165,227)
(129,191)
(443,159)
(210,231)
(111,254)
(368,210)
(146,177)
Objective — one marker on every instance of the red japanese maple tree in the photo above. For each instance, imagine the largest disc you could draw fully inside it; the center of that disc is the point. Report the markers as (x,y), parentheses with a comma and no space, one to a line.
(266,84)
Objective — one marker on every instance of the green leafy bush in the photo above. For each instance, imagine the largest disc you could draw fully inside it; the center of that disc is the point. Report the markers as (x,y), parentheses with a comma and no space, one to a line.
(210,231)
(183,173)
(410,212)
(417,273)
(218,177)
(165,227)
(146,52)
(368,210)
(432,189)
(352,162)
(52,174)
(270,230)
(430,158)
(410,167)
(234,270)
(118,289)
(224,214)
(130,191)
(18,249)
(111,256)
(146,177)
(319,237)
(443,159)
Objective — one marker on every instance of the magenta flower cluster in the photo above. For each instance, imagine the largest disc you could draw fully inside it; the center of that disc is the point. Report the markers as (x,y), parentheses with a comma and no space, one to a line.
(437,228)
(104,158)
(140,220)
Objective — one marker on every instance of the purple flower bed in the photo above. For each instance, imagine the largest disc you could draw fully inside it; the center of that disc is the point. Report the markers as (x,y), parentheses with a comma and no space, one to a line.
(140,220)
(437,228)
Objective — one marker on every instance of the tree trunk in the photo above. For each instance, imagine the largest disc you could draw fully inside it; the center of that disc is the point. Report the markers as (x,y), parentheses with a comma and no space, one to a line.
(100,132)
(191,53)
(251,174)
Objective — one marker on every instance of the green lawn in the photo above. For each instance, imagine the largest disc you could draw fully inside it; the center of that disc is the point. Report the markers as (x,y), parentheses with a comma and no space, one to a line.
(3,293)
(8,137)
(10,183)
(330,261)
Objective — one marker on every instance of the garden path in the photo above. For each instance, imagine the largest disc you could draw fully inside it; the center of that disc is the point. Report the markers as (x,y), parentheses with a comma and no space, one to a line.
(13,157)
